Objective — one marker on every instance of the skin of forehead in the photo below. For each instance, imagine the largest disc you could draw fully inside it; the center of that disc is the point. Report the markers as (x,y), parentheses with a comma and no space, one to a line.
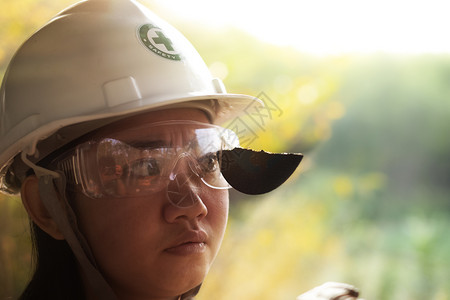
(140,127)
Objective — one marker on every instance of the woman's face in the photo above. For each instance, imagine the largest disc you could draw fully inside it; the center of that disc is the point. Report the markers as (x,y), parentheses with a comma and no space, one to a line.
(145,246)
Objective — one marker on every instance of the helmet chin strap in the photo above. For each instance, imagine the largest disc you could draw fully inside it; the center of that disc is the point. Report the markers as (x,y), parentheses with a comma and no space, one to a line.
(63,215)
(52,193)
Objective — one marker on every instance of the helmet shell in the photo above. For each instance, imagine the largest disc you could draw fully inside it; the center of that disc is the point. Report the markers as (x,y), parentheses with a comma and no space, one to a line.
(100,59)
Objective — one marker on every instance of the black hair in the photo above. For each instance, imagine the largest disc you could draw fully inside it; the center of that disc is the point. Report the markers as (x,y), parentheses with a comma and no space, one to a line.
(56,274)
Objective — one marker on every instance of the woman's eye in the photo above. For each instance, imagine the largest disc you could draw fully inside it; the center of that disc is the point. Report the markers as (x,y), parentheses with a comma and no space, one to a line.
(145,168)
(209,162)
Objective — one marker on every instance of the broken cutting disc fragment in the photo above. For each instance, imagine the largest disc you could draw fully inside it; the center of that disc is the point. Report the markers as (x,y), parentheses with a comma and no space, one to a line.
(257,172)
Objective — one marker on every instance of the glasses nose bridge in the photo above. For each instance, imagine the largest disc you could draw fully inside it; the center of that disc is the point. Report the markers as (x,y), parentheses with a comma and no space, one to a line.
(183,162)
(184,185)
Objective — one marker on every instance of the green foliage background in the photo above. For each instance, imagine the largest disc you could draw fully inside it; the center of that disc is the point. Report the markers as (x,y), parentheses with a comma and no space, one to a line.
(370,203)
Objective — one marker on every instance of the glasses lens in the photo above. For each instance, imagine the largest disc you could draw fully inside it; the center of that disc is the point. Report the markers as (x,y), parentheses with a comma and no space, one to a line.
(142,160)
(210,171)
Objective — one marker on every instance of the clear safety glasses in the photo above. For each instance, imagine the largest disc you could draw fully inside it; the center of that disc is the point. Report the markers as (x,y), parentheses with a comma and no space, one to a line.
(144,160)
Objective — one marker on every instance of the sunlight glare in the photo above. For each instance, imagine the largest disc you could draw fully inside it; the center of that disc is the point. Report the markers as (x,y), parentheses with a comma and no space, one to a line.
(327,26)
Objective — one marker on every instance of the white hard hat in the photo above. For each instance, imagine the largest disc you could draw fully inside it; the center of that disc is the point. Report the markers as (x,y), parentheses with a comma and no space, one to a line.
(97,60)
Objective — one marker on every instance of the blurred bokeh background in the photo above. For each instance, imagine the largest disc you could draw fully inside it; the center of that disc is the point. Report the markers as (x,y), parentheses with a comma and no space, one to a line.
(362,88)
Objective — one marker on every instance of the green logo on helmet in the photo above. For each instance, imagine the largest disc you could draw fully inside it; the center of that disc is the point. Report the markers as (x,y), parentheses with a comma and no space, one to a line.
(154,39)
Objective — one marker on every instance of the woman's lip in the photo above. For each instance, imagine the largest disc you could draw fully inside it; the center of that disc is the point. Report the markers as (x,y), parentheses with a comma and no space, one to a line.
(187,248)
(190,242)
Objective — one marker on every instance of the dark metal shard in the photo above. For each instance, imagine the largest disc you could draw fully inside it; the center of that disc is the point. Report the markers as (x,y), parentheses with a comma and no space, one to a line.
(257,172)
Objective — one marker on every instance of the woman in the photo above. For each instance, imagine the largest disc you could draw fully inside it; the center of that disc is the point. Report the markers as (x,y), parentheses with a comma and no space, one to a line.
(148,244)
(107,117)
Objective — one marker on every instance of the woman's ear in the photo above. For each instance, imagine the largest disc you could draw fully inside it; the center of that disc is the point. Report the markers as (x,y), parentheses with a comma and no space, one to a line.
(36,209)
